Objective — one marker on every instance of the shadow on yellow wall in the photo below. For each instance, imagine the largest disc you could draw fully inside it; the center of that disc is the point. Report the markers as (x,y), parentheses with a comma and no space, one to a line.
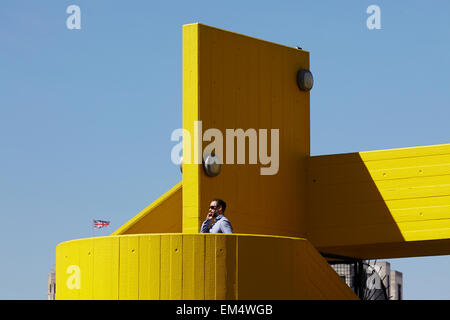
(381,204)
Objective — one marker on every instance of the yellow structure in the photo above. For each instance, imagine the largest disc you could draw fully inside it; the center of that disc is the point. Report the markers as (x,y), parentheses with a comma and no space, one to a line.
(196,266)
(379,204)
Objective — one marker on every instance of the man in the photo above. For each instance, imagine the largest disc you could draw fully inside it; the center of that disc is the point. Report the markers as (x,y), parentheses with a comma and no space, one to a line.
(221,223)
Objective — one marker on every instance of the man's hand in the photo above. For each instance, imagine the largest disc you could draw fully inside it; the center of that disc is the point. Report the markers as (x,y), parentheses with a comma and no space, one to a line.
(210,215)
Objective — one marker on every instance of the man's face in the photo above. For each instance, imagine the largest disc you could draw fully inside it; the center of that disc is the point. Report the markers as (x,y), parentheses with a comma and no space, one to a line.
(215,209)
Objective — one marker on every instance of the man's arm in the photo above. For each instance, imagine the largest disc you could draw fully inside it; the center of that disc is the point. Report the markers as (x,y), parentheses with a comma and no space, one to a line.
(225,226)
(205,226)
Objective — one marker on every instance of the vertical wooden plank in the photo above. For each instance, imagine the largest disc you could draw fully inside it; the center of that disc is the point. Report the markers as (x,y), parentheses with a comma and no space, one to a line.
(193,267)
(231,267)
(86,265)
(165,274)
(155,270)
(210,267)
(150,267)
(129,268)
(225,267)
(144,263)
(220,270)
(189,252)
(176,267)
(106,268)
(199,267)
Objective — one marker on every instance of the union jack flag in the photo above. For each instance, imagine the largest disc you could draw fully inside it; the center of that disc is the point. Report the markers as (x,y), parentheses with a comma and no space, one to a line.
(98,224)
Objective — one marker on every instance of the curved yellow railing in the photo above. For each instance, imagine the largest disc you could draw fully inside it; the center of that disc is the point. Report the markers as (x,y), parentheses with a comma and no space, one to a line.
(195,266)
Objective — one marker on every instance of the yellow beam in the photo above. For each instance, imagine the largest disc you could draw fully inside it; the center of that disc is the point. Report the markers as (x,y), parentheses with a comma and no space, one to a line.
(163,215)
(380,204)
(191,170)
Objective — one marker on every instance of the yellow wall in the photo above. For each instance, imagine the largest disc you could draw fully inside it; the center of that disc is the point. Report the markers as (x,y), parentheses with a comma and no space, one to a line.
(232,81)
(163,215)
(201,266)
(378,204)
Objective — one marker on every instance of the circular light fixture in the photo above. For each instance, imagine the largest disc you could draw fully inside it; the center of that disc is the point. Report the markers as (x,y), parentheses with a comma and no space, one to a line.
(212,165)
(305,80)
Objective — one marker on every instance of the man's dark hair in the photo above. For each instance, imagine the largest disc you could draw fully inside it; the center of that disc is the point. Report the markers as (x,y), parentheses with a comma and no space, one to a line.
(221,203)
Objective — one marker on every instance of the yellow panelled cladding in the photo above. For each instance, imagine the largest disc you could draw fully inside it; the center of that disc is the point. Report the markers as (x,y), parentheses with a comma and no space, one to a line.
(81,276)
(231,81)
(191,267)
(381,203)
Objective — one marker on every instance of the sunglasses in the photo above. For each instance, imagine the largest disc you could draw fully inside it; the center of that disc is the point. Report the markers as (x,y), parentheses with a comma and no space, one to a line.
(213,207)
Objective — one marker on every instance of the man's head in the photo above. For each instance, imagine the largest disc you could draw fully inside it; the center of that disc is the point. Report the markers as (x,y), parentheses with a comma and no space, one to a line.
(217,207)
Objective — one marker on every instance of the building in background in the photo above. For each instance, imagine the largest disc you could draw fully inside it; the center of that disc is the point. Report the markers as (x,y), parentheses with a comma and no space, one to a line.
(371,280)
(51,286)
(396,285)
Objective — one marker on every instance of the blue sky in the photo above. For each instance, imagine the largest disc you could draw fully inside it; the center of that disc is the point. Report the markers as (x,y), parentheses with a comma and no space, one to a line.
(86,115)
